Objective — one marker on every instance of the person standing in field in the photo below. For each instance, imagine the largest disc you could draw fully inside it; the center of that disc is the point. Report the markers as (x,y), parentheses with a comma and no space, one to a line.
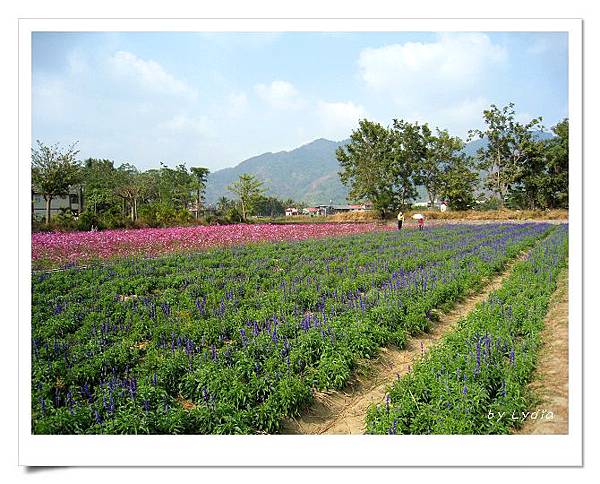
(421,223)
(400,220)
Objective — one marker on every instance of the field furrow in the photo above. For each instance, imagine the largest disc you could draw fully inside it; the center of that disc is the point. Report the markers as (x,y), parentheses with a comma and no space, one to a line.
(344,412)
(550,384)
(475,381)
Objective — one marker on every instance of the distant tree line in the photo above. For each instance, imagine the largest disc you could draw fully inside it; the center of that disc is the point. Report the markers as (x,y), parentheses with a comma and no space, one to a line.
(385,165)
(123,196)
(117,196)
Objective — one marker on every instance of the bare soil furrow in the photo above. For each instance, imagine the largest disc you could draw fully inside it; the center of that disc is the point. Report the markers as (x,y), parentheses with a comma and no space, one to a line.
(550,385)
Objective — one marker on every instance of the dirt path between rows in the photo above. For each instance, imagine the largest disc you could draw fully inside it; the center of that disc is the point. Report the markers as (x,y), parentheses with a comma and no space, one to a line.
(343,412)
(551,379)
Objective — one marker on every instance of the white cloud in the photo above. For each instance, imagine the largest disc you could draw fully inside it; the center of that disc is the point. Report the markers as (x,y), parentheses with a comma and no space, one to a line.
(462,116)
(184,124)
(280,95)
(458,118)
(338,119)
(149,74)
(417,72)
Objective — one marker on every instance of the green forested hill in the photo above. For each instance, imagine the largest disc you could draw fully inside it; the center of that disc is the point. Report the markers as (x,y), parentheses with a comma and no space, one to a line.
(308,173)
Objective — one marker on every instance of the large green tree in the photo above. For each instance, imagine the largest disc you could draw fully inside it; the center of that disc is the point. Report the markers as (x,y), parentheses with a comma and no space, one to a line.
(366,166)
(458,182)
(508,147)
(249,190)
(556,193)
(176,186)
(409,149)
(382,165)
(441,153)
(543,177)
(100,182)
(200,176)
(531,178)
(129,189)
(53,172)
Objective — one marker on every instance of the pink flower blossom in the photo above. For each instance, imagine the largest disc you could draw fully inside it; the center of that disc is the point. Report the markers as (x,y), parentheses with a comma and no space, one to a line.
(73,247)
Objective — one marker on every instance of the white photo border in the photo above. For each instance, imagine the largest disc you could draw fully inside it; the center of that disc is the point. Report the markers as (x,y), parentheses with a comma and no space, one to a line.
(287,450)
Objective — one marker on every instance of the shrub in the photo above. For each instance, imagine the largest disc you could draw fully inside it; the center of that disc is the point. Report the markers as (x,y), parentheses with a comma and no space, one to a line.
(88,219)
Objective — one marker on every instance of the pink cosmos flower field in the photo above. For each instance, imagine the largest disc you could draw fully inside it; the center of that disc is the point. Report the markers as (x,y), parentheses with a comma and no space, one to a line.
(59,248)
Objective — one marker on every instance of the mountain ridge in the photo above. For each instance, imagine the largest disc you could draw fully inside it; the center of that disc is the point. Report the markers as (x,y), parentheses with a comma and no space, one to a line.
(308,174)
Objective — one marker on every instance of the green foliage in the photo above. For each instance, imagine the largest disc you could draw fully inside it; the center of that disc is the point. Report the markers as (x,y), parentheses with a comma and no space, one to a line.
(543,179)
(118,197)
(175,186)
(100,180)
(557,153)
(510,147)
(64,220)
(200,176)
(161,214)
(53,172)
(270,207)
(409,149)
(379,164)
(233,215)
(364,165)
(87,219)
(436,170)
(249,190)
(458,183)
(490,203)
(224,204)
(129,189)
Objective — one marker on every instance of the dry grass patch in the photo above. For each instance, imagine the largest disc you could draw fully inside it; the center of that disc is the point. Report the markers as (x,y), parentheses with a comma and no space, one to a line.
(494,215)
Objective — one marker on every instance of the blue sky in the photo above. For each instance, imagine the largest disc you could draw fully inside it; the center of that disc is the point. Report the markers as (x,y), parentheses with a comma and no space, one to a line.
(215,99)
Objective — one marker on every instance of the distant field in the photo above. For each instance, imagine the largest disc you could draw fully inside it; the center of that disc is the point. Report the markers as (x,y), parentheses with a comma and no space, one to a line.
(465,215)
(55,249)
(497,215)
